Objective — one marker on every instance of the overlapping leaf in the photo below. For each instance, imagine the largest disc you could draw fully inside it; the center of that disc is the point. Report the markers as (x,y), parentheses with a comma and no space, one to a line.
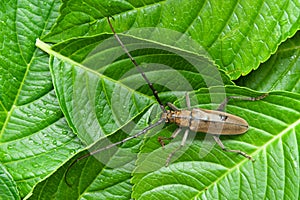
(280,72)
(237,35)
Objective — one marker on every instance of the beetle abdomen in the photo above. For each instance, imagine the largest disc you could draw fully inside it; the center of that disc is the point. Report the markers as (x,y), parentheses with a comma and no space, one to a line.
(208,121)
(217,122)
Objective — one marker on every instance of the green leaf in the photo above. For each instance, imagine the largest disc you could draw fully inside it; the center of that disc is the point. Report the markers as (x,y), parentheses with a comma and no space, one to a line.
(175,55)
(85,89)
(8,187)
(237,35)
(90,178)
(35,138)
(92,102)
(280,72)
(202,171)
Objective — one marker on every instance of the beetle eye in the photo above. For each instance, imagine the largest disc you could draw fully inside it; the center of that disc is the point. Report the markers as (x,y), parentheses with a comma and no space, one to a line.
(223,117)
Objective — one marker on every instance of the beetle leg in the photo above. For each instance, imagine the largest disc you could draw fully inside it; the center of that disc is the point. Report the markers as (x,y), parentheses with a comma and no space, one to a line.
(217,139)
(161,139)
(186,133)
(188,101)
(172,106)
(224,103)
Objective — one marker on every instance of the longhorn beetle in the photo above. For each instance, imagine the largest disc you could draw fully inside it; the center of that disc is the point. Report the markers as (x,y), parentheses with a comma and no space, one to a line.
(215,122)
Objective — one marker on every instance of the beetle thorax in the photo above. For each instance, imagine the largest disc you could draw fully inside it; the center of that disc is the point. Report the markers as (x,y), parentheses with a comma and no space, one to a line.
(180,117)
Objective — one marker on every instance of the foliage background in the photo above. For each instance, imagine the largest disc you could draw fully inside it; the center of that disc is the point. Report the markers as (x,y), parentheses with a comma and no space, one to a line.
(39,138)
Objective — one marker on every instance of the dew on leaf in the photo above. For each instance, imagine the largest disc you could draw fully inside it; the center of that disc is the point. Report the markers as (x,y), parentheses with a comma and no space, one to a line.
(30,140)
(35,165)
(295,164)
(73,151)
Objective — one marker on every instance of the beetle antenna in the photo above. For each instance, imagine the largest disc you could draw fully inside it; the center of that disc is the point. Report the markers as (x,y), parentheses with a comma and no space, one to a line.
(154,91)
